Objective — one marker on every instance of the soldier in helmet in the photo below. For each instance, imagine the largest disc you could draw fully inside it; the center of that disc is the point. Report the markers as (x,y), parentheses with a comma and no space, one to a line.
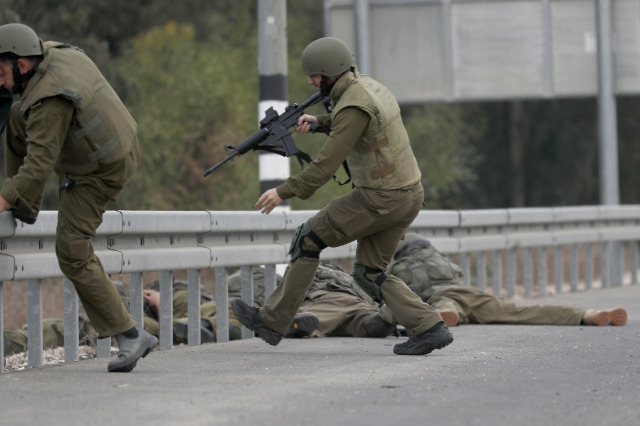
(366,131)
(68,119)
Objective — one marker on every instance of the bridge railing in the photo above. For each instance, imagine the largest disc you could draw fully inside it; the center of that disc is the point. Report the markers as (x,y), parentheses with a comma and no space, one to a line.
(503,244)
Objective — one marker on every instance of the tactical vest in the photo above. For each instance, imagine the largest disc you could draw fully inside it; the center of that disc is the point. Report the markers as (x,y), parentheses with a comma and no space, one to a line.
(102,130)
(425,269)
(382,158)
(331,279)
(328,279)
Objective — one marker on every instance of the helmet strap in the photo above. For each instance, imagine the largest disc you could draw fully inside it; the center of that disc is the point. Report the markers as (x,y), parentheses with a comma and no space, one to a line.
(20,80)
(324,86)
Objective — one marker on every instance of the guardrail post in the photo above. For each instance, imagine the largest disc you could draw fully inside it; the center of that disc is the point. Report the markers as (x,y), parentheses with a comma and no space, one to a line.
(573,267)
(481,270)
(136,300)
(70,318)
(558,268)
(618,263)
(103,349)
(512,267)
(604,265)
(165,315)
(527,271)
(465,265)
(222,306)
(270,279)
(496,272)
(588,266)
(246,291)
(193,306)
(34,322)
(633,261)
(541,253)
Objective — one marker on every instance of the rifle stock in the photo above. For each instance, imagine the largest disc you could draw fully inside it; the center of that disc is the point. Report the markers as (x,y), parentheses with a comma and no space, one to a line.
(274,128)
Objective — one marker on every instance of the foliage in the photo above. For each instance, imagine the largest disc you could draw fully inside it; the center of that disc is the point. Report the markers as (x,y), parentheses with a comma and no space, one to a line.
(188,72)
(443,140)
(188,105)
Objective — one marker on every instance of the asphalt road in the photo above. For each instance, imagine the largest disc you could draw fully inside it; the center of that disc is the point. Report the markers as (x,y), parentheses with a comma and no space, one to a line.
(490,375)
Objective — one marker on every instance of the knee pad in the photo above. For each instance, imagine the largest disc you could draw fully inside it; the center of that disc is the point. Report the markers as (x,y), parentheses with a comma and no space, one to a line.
(296,250)
(372,288)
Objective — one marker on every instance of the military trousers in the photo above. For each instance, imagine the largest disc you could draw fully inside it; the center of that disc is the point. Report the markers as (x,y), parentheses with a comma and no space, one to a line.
(79,214)
(340,314)
(474,306)
(377,220)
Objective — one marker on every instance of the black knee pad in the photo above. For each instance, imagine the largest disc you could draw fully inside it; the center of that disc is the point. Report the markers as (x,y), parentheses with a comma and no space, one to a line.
(296,250)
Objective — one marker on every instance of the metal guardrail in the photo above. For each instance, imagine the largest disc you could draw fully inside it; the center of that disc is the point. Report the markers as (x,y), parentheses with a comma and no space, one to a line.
(134,242)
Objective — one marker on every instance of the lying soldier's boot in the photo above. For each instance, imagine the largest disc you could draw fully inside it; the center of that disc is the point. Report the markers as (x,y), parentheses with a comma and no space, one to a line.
(131,350)
(235,332)
(302,326)
(249,316)
(617,316)
(437,337)
(181,332)
(376,326)
(450,318)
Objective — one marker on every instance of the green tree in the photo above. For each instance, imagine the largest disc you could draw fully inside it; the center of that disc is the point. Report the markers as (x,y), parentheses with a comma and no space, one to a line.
(443,138)
(189,103)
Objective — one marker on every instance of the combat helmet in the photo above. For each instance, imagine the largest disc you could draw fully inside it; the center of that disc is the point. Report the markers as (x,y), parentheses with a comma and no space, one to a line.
(20,40)
(328,56)
(409,238)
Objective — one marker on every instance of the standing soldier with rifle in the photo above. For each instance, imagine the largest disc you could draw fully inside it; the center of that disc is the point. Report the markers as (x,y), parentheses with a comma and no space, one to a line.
(68,119)
(365,129)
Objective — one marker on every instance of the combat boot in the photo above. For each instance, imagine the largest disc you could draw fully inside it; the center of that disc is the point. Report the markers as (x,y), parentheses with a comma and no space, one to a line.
(450,318)
(437,337)
(302,326)
(131,350)
(617,316)
(375,326)
(249,316)
(181,332)
(235,332)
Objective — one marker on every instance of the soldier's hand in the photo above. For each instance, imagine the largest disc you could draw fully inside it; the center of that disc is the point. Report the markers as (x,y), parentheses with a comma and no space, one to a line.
(268,201)
(304,123)
(4,204)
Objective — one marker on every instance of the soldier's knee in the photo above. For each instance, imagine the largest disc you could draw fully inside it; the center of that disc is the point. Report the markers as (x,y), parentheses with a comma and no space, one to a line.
(306,243)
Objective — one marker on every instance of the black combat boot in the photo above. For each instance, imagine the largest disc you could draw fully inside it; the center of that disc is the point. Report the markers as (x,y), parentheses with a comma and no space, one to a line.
(437,337)
(302,326)
(250,318)
(375,326)
(181,332)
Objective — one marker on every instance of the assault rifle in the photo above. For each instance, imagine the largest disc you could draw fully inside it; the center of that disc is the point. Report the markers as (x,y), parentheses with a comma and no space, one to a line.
(274,135)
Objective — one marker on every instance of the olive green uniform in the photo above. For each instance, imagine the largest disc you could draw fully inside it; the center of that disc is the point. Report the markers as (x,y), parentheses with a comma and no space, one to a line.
(181,310)
(366,130)
(69,120)
(342,308)
(438,281)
